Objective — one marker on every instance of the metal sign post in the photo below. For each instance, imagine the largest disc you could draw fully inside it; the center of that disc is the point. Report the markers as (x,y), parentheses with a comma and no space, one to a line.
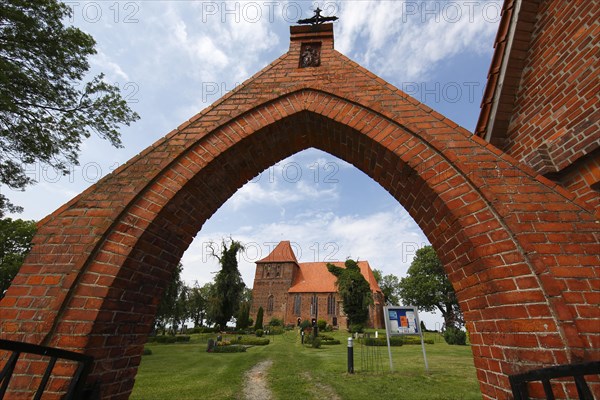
(400,321)
(387,338)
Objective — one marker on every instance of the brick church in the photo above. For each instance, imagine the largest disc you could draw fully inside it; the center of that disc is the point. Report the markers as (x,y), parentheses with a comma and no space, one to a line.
(295,292)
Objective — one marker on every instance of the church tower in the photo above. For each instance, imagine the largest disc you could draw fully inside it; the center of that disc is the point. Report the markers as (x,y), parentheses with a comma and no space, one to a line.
(274,276)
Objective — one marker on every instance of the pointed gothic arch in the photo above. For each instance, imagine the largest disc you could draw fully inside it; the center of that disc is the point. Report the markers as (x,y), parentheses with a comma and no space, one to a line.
(99,263)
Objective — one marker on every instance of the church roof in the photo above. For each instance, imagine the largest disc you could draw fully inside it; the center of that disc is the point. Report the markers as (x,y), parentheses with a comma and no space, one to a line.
(314,277)
(281,253)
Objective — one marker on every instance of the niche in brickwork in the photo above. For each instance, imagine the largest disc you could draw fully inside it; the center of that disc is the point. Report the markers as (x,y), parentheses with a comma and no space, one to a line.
(310,55)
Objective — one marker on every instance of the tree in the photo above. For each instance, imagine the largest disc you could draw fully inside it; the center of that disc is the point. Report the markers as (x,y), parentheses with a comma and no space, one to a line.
(15,244)
(389,285)
(259,319)
(427,287)
(243,317)
(229,287)
(48,104)
(247,295)
(170,310)
(354,290)
(181,310)
(198,298)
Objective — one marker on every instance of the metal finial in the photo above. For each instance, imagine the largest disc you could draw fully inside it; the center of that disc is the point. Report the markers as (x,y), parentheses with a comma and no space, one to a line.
(317,19)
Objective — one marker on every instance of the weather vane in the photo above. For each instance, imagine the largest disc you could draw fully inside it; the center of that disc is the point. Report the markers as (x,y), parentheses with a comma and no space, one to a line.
(317,19)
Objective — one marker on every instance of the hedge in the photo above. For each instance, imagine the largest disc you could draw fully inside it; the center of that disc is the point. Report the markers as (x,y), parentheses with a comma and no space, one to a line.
(165,339)
(251,341)
(229,349)
(396,341)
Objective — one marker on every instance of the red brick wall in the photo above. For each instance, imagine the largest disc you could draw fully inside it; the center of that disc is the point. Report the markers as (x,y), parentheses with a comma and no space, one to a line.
(375,312)
(272,285)
(521,254)
(583,179)
(556,118)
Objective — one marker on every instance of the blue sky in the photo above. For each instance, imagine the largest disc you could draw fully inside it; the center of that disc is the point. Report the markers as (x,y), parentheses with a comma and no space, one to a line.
(174,58)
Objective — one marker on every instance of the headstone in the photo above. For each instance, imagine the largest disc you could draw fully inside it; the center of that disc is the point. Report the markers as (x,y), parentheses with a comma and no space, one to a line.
(211,345)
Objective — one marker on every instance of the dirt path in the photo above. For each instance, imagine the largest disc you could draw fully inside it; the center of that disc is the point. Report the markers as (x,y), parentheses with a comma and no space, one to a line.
(255,385)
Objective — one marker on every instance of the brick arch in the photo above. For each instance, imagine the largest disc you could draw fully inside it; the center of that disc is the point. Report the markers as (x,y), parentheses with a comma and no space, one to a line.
(519,252)
(508,294)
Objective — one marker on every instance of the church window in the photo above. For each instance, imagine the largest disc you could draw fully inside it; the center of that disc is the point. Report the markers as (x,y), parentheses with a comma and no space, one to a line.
(270,301)
(297,305)
(331,303)
(314,305)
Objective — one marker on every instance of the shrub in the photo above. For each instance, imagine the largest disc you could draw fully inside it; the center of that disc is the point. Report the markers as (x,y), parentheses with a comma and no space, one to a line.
(305,324)
(243,319)
(259,319)
(201,329)
(259,333)
(415,340)
(328,340)
(276,322)
(165,339)
(229,349)
(276,330)
(455,336)
(147,352)
(251,341)
(357,328)
(182,338)
(396,341)
(316,343)
(321,324)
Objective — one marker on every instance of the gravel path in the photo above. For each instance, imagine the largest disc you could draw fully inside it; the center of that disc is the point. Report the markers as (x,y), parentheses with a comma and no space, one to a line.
(255,385)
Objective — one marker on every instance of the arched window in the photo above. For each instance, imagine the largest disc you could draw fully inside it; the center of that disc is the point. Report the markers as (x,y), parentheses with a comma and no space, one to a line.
(270,304)
(297,305)
(331,305)
(314,305)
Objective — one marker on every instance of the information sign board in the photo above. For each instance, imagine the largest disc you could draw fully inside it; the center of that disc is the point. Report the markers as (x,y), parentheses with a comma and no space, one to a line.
(402,320)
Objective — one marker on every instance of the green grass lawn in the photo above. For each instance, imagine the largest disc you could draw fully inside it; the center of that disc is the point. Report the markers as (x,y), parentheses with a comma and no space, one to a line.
(187,371)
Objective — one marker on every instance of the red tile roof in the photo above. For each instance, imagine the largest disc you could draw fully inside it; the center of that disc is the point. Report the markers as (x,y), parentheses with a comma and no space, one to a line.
(314,277)
(282,253)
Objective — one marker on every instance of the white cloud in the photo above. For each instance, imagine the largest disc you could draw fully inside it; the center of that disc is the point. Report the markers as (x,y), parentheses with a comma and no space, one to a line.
(112,70)
(409,39)
(256,193)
